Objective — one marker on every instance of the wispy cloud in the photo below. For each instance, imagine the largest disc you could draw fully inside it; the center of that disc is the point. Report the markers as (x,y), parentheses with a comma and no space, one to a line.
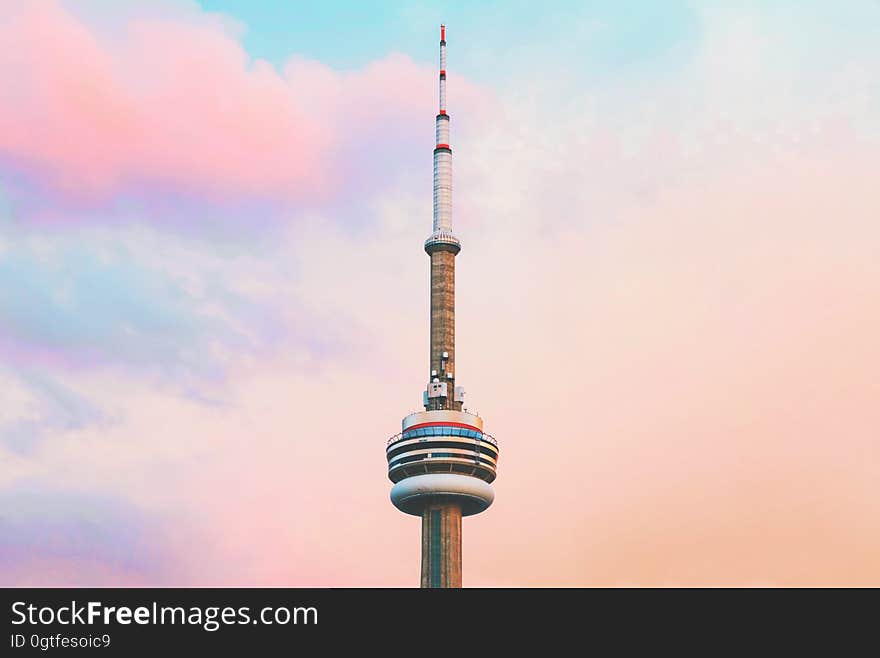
(35,406)
(178,107)
(53,536)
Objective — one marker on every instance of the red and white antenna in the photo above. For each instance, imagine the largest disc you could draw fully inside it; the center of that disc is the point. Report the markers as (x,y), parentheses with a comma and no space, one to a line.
(442,153)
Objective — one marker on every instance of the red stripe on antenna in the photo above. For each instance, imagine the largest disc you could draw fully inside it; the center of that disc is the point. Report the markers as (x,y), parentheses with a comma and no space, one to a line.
(442,33)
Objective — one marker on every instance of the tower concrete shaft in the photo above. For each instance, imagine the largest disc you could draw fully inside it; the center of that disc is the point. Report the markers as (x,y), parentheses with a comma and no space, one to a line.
(442,357)
(441,545)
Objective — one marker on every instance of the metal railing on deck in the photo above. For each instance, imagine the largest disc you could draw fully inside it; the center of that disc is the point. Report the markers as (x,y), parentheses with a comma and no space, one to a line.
(484,437)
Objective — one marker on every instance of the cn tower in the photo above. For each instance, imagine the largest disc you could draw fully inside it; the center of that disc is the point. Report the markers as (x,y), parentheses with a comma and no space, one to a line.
(442,464)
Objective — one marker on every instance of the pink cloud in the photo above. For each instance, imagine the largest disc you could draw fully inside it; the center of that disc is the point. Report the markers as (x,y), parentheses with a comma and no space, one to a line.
(181,105)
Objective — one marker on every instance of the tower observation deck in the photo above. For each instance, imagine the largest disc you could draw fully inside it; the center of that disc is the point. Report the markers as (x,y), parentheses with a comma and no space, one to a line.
(442,464)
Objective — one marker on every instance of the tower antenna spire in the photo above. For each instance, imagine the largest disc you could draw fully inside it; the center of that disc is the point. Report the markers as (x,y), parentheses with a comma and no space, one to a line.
(442,154)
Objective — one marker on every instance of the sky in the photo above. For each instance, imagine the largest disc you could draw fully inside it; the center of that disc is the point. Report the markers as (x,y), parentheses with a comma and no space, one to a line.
(214,299)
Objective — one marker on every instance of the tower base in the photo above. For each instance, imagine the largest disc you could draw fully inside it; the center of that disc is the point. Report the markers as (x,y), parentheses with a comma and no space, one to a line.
(441,545)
